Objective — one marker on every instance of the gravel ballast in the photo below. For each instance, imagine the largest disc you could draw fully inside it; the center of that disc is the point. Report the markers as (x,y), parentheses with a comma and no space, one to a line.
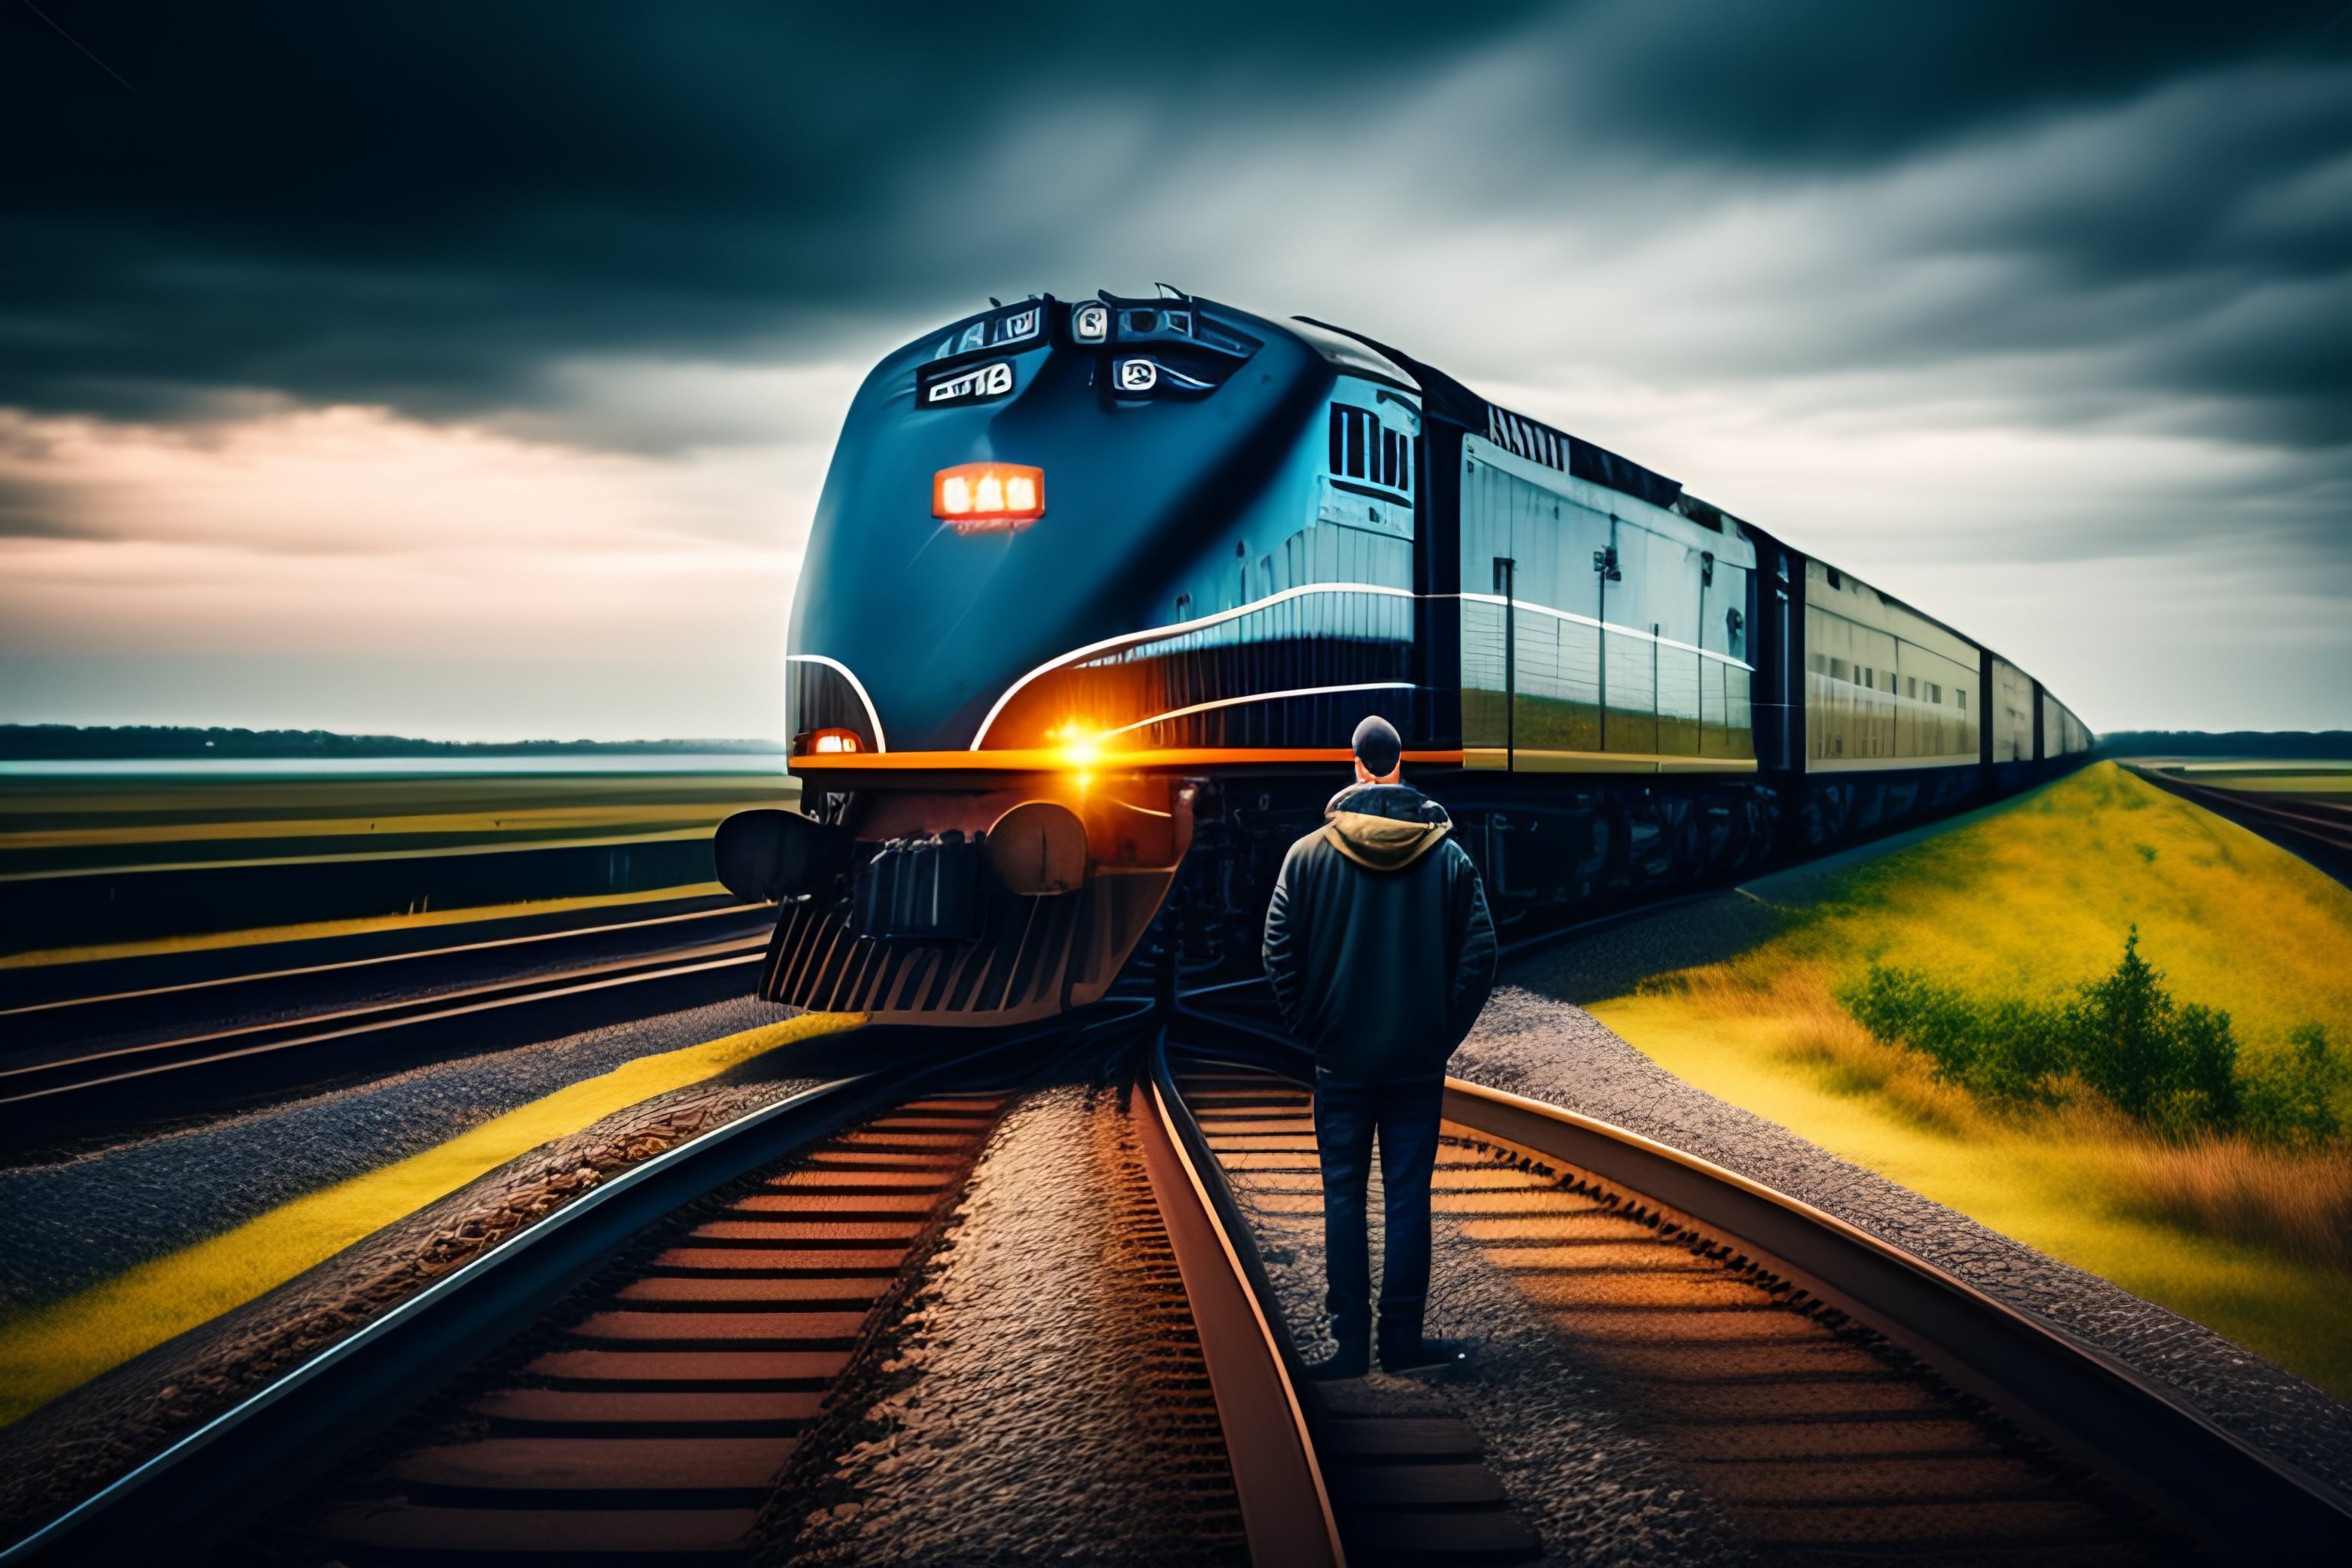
(1593,1487)
(1048,1399)
(1530,1043)
(84,1219)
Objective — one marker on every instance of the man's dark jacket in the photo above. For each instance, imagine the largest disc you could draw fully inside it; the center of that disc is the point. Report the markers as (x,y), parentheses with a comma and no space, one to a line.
(1378,943)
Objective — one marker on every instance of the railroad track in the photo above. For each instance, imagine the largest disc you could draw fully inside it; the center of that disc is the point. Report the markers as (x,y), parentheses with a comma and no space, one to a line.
(2320,831)
(1839,1399)
(77,1090)
(665,1419)
(665,1409)
(124,1001)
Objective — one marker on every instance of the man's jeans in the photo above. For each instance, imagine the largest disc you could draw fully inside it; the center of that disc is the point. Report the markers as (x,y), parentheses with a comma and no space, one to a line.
(1405,1117)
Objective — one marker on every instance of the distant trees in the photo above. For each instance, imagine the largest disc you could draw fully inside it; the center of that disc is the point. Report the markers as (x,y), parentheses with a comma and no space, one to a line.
(73,743)
(2170,1066)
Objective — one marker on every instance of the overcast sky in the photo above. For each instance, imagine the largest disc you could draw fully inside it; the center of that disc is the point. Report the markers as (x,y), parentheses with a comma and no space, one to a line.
(470,370)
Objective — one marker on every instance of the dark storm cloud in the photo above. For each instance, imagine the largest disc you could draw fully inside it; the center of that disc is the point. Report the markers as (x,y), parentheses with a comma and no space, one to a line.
(429,205)
(1829,83)
(420,202)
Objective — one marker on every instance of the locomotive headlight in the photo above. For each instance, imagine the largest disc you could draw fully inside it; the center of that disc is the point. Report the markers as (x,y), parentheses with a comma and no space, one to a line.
(1075,746)
(831,742)
(973,496)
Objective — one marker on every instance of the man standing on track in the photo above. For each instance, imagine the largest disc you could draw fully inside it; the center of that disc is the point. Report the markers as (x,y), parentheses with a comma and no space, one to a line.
(1381,952)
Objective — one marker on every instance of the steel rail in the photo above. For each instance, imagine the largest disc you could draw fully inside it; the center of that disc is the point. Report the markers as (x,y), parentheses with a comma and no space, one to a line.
(2320,834)
(75,1095)
(263,976)
(115,1061)
(2109,1416)
(209,1485)
(2331,827)
(1286,1507)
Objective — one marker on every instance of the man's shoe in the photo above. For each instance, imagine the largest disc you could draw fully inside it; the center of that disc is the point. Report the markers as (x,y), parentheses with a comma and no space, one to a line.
(1347,1361)
(1425,1355)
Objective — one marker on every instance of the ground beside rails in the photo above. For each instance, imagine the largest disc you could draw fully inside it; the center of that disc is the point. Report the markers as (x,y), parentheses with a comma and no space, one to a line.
(662,1422)
(1836,1398)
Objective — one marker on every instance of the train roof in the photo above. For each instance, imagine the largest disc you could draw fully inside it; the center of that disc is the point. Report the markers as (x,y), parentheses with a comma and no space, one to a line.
(1447,398)
(1531,438)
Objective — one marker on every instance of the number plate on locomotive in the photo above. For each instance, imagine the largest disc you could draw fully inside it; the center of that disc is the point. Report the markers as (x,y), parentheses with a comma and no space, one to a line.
(979,383)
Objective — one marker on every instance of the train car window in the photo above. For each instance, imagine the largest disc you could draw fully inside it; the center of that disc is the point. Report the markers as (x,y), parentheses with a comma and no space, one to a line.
(1339,439)
(1388,456)
(1355,445)
(1404,465)
(1914,684)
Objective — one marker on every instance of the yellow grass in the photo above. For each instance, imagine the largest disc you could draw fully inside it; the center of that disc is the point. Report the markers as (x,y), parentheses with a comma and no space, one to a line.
(48,1349)
(2034,899)
(2049,1183)
(258,935)
(2029,902)
(2295,1203)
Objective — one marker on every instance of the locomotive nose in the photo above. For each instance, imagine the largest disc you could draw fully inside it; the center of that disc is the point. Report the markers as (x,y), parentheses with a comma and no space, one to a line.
(1013,489)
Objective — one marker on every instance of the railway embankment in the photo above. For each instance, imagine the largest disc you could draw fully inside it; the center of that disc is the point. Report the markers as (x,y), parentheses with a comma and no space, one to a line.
(1748,1050)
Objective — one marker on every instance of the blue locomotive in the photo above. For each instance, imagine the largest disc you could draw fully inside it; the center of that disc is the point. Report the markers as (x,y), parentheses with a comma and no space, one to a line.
(1098,589)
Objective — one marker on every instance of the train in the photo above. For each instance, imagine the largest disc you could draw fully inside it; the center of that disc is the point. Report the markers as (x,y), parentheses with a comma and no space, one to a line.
(1098,590)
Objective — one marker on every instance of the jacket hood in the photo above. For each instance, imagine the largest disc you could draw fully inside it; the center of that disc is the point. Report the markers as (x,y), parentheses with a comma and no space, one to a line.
(1384,827)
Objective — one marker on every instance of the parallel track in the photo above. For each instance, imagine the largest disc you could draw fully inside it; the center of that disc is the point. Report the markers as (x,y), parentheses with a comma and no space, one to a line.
(105,999)
(2318,830)
(123,1086)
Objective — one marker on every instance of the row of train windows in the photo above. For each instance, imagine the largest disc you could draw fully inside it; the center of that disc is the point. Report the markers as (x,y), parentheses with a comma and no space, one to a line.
(1886,680)
(1364,449)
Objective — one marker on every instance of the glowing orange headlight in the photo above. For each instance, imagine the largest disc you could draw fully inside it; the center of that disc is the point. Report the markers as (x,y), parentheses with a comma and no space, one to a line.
(831,742)
(973,496)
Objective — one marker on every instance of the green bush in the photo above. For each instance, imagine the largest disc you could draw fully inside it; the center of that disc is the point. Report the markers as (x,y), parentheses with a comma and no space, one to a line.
(2010,1050)
(2292,1098)
(2168,1065)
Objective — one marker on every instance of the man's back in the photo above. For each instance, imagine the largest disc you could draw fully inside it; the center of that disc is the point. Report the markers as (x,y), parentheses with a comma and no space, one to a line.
(1378,945)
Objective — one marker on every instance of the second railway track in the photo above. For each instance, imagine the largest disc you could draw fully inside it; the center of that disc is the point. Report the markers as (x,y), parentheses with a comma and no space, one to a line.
(67,1089)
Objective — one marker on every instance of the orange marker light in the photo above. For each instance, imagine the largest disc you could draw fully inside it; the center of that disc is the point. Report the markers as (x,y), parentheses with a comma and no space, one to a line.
(975,497)
(826,742)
